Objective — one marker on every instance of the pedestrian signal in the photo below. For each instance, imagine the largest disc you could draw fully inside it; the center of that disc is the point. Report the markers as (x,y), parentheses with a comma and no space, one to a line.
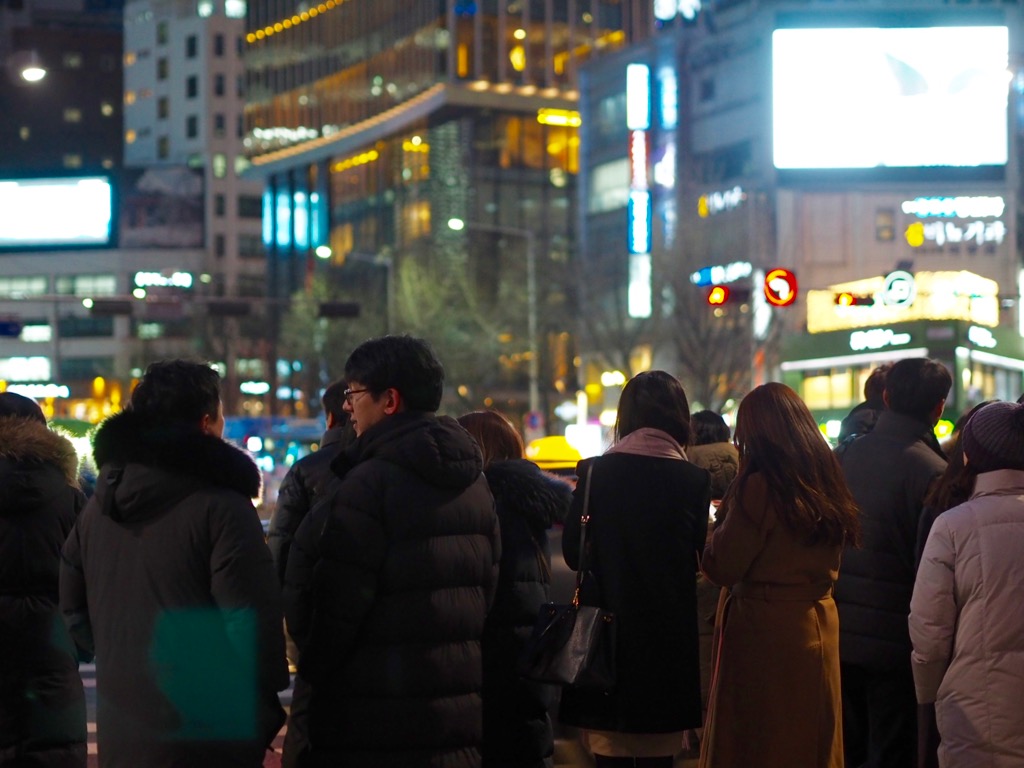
(846,299)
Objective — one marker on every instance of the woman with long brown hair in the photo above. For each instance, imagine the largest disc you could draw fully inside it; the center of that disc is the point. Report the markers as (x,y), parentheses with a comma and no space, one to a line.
(780,532)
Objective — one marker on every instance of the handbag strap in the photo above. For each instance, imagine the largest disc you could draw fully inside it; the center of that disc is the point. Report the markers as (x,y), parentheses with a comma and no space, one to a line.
(584,521)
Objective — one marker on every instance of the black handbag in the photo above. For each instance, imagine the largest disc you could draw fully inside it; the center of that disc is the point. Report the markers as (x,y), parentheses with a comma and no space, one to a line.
(573,645)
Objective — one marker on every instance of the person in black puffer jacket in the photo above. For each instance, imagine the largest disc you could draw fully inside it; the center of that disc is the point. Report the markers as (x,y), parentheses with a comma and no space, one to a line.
(390,579)
(42,703)
(517,723)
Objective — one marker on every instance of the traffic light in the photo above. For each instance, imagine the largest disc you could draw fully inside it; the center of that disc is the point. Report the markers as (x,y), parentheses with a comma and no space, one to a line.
(723,294)
(847,299)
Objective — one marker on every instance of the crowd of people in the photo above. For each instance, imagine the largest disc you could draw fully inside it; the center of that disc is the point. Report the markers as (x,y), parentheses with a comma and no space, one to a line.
(777,602)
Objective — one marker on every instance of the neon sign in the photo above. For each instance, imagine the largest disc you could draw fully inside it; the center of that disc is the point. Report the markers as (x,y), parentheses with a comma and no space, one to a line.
(877,338)
(955,207)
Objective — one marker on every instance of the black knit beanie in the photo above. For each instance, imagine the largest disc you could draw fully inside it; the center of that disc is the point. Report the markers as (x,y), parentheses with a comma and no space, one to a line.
(994,437)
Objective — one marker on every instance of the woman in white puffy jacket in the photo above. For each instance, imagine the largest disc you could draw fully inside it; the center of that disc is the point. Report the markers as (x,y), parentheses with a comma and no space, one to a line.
(966,623)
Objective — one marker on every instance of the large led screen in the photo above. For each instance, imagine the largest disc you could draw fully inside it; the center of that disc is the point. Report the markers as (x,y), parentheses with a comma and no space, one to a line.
(885,97)
(59,212)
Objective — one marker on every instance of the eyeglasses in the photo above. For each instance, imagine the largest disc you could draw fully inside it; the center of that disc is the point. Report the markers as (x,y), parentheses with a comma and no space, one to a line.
(351,393)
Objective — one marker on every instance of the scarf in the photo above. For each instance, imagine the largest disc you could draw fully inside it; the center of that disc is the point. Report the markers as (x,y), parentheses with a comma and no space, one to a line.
(648,441)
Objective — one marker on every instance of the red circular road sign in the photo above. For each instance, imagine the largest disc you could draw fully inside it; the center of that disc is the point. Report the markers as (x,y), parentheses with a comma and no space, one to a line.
(780,287)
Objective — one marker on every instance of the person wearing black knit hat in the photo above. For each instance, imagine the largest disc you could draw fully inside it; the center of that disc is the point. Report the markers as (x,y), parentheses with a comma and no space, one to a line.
(965,624)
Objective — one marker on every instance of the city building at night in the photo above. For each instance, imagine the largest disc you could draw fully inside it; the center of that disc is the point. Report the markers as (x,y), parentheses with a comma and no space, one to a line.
(421,158)
(754,162)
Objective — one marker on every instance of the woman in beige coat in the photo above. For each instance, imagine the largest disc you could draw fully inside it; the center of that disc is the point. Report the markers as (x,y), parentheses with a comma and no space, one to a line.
(775,696)
(966,624)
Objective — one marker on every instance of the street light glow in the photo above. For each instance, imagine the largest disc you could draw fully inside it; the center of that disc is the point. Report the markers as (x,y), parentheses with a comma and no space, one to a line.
(323,251)
(33,73)
(457,224)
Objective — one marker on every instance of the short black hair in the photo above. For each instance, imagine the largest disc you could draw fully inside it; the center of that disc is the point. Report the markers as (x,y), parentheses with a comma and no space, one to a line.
(709,427)
(916,385)
(173,391)
(874,385)
(402,362)
(19,406)
(654,399)
(333,400)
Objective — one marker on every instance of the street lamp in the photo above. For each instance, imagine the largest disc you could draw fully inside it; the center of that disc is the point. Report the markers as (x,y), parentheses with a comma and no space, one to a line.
(531,298)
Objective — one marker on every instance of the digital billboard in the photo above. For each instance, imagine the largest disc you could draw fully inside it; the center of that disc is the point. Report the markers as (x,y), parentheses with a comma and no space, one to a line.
(890,97)
(162,208)
(56,212)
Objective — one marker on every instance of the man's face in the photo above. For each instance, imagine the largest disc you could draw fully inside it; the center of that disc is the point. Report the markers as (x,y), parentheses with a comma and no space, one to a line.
(366,409)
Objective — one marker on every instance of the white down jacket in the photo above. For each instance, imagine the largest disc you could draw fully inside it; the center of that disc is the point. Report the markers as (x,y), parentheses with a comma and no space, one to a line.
(967,626)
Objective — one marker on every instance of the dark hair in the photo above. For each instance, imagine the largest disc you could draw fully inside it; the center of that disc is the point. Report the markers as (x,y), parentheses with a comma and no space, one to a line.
(654,399)
(19,406)
(333,400)
(915,386)
(497,437)
(174,391)
(874,385)
(399,362)
(956,483)
(777,436)
(709,427)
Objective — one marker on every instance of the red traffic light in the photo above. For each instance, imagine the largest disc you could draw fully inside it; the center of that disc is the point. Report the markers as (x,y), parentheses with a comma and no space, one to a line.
(718,294)
(847,299)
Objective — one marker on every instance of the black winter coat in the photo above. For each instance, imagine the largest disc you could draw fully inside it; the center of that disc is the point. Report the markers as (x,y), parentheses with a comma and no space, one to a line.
(889,471)
(42,704)
(305,482)
(648,524)
(386,592)
(167,579)
(517,725)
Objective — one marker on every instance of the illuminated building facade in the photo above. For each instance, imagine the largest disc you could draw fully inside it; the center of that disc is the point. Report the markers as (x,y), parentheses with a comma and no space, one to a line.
(853,147)
(373,124)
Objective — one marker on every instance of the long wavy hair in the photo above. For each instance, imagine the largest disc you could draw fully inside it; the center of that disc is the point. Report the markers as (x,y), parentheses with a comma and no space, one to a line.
(776,436)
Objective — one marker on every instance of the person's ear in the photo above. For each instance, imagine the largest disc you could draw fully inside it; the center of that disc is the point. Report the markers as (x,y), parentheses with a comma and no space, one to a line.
(331,421)
(393,402)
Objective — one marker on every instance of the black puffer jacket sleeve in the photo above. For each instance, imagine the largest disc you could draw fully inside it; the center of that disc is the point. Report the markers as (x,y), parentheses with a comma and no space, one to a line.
(293,502)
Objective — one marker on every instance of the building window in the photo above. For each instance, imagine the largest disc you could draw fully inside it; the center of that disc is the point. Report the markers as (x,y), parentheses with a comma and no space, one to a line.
(161,69)
(195,161)
(252,285)
(22,285)
(707,89)
(163,107)
(72,115)
(219,246)
(240,87)
(73,326)
(220,204)
(108,63)
(235,9)
(72,60)
(242,164)
(161,33)
(192,126)
(885,225)
(85,285)
(218,45)
(192,87)
(250,207)
(220,165)
(163,147)
(218,126)
(85,368)
(25,133)
(72,161)
(130,136)
(240,126)
(191,46)
(218,85)
(106,109)
(204,9)
(250,247)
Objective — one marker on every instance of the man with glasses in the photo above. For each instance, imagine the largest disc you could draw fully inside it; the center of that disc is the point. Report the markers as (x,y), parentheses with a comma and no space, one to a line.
(390,578)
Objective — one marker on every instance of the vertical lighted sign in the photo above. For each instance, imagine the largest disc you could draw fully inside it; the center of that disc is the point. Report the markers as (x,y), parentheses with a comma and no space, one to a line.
(639,210)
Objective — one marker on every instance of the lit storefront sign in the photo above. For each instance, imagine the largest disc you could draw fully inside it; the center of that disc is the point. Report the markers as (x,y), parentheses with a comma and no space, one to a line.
(899,289)
(639,212)
(722,273)
(962,220)
(877,338)
(640,208)
(40,391)
(716,202)
(666,10)
(638,160)
(780,287)
(161,280)
(981,337)
(638,97)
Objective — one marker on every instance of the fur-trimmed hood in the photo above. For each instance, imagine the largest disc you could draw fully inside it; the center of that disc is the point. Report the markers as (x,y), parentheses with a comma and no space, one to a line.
(25,440)
(163,464)
(35,463)
(522,488)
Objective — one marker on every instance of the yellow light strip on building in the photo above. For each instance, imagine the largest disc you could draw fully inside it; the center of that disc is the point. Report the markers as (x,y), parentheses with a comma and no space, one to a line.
(291,22)
(412,146)
(564,117)
(351,162)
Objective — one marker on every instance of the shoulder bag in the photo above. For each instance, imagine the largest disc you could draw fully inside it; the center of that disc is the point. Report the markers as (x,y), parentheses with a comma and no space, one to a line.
(573,645)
